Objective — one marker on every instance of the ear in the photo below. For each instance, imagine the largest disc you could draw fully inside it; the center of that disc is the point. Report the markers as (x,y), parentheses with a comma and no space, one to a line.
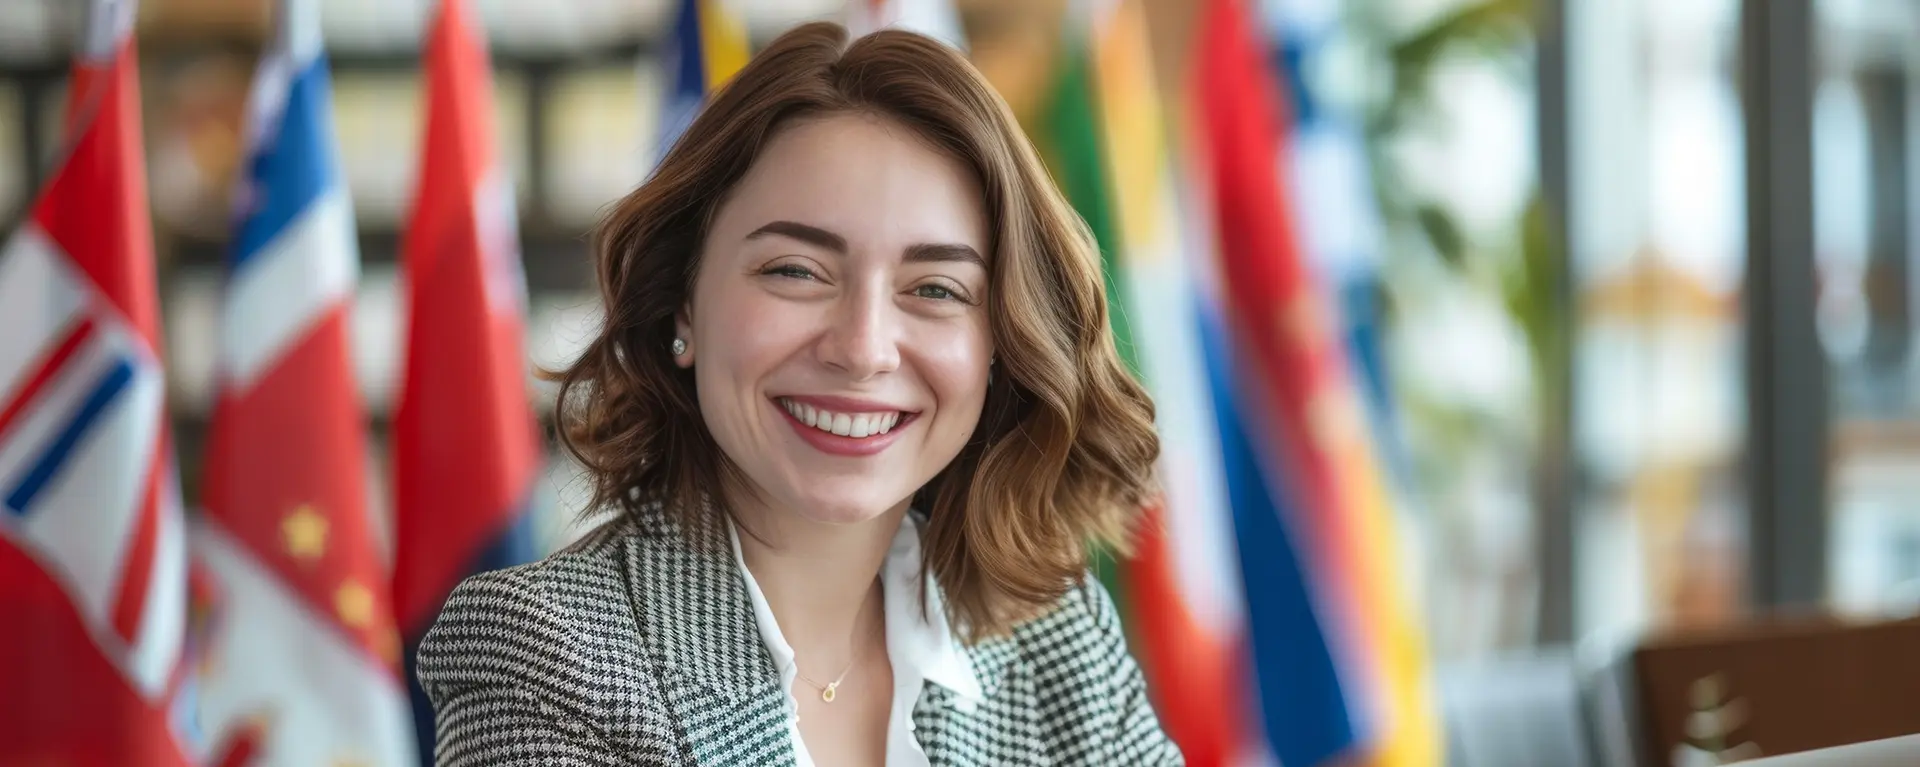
(683,330)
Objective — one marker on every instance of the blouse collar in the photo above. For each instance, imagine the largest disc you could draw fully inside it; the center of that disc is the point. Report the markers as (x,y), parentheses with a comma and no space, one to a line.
(918,640)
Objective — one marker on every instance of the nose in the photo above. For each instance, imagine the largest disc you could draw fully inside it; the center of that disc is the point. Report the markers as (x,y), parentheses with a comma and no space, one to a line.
(862,339)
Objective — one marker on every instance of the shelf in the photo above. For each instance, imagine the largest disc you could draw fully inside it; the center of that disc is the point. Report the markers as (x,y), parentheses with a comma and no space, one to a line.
(554,260)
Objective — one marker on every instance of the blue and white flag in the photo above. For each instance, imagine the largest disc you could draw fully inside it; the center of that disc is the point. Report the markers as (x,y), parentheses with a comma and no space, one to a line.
(303,658)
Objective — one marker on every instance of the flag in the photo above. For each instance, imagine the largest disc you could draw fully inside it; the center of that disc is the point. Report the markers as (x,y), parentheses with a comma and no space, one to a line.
(709,44)
(1340,660)
(92,544)
(934,18)
(305,649)
(1101,132)
(465,443)
(1328,170)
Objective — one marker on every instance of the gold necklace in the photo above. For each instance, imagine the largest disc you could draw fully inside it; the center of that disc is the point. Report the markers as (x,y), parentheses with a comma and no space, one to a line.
(831,690)
(828,690)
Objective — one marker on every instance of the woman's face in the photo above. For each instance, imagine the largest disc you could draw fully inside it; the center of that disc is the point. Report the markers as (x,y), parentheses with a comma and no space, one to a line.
(838,324)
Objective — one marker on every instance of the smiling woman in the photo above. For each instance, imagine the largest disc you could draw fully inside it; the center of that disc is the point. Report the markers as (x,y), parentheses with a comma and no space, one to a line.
(842,275)
(858,413)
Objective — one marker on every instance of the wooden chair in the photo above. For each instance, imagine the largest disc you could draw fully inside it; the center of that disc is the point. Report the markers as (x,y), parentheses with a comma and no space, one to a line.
(1759,689)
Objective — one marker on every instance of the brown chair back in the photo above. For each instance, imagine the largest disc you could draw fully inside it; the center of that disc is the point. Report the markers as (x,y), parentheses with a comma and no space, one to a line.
(1775,688)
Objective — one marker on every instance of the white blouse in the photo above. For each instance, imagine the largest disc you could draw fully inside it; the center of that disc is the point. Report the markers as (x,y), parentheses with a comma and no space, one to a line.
(921,648)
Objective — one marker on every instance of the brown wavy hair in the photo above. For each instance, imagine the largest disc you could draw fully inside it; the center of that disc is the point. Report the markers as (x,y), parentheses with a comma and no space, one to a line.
(1064,454)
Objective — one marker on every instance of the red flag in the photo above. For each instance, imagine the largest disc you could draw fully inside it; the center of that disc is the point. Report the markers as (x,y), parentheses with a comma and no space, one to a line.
(92,552)
(465,447)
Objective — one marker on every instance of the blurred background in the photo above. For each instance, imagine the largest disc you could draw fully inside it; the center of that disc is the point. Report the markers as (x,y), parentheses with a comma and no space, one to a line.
(1563,238)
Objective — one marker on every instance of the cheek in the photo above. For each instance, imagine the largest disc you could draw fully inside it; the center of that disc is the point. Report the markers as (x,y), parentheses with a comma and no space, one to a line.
(741,335)
(956,367)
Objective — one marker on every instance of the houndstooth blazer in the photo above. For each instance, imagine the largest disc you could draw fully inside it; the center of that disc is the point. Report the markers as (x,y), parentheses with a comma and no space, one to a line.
(639,647)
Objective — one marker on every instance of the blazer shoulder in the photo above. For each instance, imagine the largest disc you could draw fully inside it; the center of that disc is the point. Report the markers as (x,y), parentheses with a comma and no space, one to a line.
(1075,648)
(1085,608)
(542,625)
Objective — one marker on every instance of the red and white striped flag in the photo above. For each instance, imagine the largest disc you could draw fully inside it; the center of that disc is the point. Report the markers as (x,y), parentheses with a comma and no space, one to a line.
(303,659)
(92,548)
(466,448)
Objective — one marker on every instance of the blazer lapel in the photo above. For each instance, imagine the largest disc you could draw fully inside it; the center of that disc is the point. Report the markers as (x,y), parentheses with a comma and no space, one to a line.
(956,730)
(699,636)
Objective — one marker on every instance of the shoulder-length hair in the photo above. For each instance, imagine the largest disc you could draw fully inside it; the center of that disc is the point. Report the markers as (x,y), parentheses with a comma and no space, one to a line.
(1064,454)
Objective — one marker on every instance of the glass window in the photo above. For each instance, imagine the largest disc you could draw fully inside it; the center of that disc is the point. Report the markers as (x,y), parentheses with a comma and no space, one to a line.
(1657,234)
(1864,197)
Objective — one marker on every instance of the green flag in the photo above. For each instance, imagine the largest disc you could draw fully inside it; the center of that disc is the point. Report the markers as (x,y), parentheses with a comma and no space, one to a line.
(1066,131)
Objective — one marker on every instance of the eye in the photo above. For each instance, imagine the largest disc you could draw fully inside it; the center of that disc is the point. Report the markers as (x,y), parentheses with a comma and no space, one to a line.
(794,271)
(936,292)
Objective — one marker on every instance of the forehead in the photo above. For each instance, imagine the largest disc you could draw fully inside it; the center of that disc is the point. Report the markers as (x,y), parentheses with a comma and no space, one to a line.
(869,179)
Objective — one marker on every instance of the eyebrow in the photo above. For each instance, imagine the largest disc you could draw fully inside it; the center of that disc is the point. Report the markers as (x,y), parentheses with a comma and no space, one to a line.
(944,253)
(807,233)
(920,253)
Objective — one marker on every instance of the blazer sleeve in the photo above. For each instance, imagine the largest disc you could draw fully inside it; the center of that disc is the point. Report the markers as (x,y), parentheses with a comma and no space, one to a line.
(1137,738)
(496,665)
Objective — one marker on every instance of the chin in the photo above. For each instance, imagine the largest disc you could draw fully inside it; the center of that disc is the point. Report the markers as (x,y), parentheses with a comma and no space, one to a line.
(842,508)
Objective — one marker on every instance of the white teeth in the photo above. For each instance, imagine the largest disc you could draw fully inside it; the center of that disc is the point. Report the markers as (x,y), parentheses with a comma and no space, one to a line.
(858,426)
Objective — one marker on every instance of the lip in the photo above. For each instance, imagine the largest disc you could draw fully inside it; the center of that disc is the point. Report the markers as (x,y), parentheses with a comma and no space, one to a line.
(834,444)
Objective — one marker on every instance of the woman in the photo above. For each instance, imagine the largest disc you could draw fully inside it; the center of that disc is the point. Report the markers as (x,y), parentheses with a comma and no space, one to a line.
(858,410)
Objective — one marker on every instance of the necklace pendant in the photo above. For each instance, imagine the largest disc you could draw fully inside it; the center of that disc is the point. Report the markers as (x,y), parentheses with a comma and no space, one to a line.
(826,694)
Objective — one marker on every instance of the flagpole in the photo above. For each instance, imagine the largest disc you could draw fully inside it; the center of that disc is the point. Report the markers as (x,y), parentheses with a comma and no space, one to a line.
(99,20)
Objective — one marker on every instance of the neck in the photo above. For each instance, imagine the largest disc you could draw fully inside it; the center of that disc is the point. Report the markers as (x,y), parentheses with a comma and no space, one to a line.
(821,580)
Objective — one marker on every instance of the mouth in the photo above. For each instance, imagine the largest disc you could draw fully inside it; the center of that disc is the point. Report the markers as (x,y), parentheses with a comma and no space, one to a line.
(844,423)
